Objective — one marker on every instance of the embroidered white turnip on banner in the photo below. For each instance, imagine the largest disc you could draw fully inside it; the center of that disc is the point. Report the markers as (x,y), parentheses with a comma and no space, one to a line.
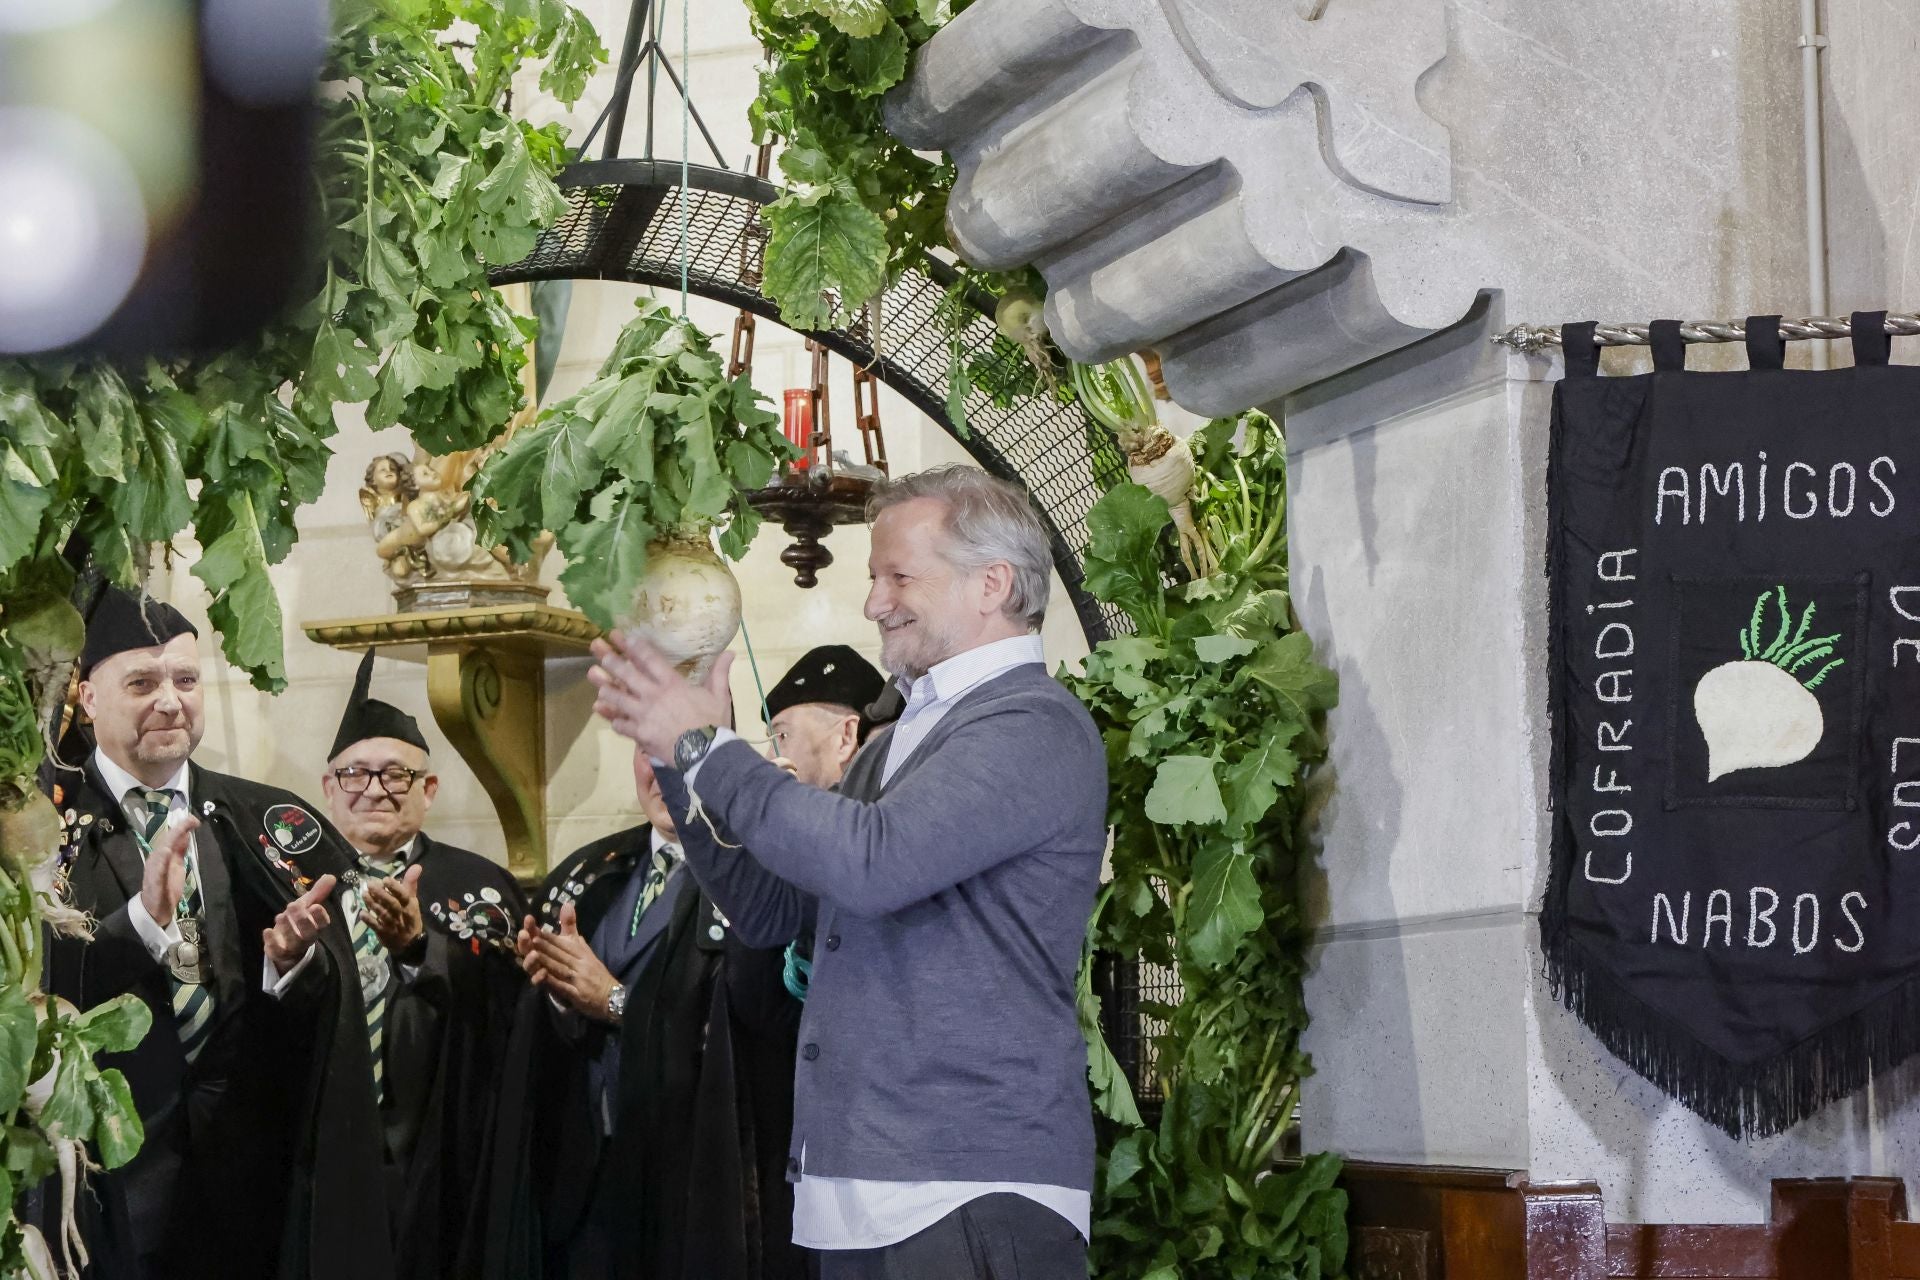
(1758,712)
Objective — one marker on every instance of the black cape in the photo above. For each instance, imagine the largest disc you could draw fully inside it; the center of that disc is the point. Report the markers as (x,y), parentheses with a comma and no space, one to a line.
(446,1040)
(259,1149)
(692,1184)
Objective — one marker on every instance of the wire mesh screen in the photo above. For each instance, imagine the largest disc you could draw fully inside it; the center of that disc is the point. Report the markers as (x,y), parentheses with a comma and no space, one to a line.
(1123,984)
(627,221)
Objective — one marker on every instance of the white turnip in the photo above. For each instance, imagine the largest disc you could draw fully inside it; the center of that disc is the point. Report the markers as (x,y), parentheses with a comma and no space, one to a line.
(1758,713)
(688,603)
(1755,716)
(1164,465)
(1116,395)
(1021,321)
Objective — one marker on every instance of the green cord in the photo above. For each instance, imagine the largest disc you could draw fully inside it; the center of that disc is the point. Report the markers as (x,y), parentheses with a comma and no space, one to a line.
(754,665)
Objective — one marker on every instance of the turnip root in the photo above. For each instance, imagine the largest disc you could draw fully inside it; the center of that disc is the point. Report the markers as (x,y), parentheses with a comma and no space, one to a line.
(1021,321)
(688,604)
(1755,716)
(1116,395)
(1164,465)
(39,1258)
(1758,713)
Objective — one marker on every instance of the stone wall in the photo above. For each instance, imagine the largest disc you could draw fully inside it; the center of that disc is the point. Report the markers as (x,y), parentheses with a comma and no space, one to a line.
(1419,539)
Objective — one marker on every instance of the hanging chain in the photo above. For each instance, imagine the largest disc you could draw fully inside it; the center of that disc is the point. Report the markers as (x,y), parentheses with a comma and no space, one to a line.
(821,442)
(866,411)
(753,248)
(740,355)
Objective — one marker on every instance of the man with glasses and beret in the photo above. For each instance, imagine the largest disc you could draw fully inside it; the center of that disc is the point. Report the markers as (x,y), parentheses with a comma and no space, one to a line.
(213,901)
(818,717)
(432,928)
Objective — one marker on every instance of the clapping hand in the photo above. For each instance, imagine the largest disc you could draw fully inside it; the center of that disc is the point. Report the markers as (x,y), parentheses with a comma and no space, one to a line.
(391,907)
(164,881)
(564,966)
(295,928)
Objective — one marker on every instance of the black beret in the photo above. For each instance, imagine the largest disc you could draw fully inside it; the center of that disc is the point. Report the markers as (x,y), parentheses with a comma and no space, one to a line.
(121,621)
(371,718)
(832,673)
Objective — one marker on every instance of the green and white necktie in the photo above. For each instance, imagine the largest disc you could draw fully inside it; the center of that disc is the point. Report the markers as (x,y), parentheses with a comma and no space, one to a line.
(371,953)
(148,807)
(665,859)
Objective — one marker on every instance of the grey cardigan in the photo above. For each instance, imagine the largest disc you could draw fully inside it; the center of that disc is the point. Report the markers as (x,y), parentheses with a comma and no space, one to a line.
(940,1040)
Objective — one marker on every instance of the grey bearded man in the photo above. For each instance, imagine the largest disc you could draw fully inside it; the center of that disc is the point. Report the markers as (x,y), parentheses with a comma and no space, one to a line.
(432,929)
(215,904)
(942,1128)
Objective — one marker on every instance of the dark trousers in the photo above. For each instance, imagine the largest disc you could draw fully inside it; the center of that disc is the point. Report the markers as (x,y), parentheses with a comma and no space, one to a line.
(997,1237)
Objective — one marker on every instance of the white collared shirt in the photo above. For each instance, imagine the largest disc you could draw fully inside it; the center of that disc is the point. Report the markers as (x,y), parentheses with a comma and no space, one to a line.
(867,1213)
(931,696)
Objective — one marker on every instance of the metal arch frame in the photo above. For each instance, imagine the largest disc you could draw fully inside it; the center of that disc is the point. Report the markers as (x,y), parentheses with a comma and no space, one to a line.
(1096,621)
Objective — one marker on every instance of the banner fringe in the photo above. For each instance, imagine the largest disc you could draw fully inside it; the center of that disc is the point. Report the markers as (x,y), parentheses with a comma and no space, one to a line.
(1750,1100)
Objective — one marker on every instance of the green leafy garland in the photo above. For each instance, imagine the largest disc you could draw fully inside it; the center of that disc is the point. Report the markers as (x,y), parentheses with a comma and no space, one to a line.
(661,442)
(422,177)
(861,207)
(1212,715)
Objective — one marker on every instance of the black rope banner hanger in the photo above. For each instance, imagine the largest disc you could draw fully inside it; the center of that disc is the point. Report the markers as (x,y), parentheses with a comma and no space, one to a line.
(1528,338)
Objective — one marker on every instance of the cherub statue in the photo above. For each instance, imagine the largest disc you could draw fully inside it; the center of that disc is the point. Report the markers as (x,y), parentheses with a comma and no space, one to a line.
(422,514)
(387,488)
(422,519)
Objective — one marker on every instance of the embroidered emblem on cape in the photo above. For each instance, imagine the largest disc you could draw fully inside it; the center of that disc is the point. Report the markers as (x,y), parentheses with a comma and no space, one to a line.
(1759,712)
(292,828)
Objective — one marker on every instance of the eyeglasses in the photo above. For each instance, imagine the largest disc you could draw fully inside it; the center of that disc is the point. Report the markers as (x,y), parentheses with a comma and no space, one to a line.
(395,780)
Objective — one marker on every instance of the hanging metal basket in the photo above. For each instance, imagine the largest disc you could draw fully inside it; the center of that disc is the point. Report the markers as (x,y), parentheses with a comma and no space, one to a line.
(624,223)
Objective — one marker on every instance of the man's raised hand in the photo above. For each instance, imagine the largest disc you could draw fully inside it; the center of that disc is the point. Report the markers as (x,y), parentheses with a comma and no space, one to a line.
(646,700)
(164,882)
(294,929)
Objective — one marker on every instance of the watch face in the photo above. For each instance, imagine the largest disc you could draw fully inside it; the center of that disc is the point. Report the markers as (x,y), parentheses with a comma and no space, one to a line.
(692,745)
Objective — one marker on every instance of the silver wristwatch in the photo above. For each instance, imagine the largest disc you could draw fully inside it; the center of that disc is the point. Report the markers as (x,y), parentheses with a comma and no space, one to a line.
(691,747)
(617,1003)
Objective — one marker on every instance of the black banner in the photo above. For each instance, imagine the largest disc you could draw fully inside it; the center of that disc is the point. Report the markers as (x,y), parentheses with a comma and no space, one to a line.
(1734,901)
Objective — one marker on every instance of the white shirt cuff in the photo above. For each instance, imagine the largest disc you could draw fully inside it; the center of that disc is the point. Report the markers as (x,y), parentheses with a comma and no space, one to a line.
(156,939)
(722,736)
(275,983)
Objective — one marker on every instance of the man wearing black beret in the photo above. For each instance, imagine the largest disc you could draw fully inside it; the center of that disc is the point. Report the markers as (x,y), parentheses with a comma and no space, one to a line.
(213,902)
(819,713)
(432,928)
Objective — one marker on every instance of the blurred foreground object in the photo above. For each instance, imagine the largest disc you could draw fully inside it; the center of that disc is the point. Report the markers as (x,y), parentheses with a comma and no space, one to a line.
(154,158)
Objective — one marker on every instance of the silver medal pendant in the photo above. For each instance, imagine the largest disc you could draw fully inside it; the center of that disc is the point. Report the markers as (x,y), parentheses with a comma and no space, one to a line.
(375,974)
(184,959)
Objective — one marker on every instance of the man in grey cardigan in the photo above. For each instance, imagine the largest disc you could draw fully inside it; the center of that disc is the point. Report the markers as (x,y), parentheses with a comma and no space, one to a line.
(942,1128)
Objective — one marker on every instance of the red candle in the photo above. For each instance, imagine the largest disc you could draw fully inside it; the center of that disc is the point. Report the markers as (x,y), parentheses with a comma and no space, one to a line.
(798,424)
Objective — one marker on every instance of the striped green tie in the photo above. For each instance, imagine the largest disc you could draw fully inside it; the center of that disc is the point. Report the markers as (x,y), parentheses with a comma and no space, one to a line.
(148,807)
(664,860)
(368,949)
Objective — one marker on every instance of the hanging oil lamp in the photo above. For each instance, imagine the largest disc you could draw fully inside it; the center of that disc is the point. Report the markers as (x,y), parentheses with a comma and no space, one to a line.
(820,489)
